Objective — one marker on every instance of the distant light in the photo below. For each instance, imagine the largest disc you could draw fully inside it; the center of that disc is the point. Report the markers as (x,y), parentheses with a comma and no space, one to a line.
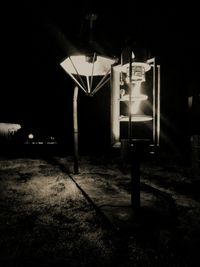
(133,55)
(30,136)
(5,127)
(190,101)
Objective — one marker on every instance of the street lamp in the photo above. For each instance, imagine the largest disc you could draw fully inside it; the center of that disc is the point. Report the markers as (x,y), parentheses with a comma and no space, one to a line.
(90,71)
(135,112)
(83,69)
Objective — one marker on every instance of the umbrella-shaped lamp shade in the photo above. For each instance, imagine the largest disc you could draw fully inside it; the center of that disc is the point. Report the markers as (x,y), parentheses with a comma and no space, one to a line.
(84,65)
(83,68)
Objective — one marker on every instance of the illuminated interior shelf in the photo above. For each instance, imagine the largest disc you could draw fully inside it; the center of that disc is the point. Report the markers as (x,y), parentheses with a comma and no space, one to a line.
(136,118)
(139,97)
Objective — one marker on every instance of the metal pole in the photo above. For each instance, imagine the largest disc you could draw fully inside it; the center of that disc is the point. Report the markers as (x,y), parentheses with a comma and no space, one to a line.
(154,103)
(115,106)
(130,102)
(134,151)
(158,107)
(75,122)
(135,175)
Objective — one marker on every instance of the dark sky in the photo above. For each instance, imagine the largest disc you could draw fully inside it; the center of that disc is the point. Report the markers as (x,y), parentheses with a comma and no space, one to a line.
(37,35)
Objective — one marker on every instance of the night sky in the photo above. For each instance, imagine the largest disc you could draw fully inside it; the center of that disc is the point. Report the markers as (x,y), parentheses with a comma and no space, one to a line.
(38,35)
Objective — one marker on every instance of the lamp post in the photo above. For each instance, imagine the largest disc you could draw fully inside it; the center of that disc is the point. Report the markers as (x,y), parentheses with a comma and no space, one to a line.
(84,69)
(135,105)
(135,77)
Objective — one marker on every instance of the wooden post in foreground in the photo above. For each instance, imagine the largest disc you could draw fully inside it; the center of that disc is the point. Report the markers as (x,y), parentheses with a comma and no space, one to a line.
(75,125)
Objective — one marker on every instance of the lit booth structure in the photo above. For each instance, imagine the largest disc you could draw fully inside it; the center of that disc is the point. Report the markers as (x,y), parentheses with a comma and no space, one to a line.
(135,102)
(135,112)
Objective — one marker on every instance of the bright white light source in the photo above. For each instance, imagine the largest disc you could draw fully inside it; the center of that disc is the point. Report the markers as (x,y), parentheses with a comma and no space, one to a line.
(5,127)
(30,136)
(136,117)
(85,66)
(135,105)
(88,66)
(136,97)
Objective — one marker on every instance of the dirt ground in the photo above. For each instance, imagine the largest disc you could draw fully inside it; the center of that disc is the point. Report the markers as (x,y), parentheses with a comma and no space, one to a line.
(45,219)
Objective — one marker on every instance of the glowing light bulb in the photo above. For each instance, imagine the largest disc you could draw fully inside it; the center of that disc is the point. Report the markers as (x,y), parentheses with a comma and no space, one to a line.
(30,136)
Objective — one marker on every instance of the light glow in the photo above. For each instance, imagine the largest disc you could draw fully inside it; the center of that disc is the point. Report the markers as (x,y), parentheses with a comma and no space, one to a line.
(136,97)
(88,66)
(30,136)
(129,90)
(124,67)
(6,127)
(136,118)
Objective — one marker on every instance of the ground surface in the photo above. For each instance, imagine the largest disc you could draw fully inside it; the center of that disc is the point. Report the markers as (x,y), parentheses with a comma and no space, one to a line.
(46,220)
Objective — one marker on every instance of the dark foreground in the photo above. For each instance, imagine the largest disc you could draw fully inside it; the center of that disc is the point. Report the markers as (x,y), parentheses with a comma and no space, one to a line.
(45,220)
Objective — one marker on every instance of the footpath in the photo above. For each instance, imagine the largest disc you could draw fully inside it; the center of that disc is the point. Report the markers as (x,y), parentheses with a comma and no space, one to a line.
(169,213)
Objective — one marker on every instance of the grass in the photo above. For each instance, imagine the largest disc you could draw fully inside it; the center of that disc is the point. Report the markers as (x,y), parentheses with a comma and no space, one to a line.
(46,221)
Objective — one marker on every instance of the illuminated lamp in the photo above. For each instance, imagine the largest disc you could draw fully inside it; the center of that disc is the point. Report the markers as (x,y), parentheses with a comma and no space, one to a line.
(5,127)
(138,71)
(84,68)
(140,94)
(30,136)
(132,88)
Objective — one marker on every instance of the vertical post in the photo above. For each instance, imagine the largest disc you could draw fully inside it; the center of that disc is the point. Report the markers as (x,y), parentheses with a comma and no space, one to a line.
(130,101)
(158,107)
(75,125)
(134,151)
(135,176)
(115,106)
(154,102)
